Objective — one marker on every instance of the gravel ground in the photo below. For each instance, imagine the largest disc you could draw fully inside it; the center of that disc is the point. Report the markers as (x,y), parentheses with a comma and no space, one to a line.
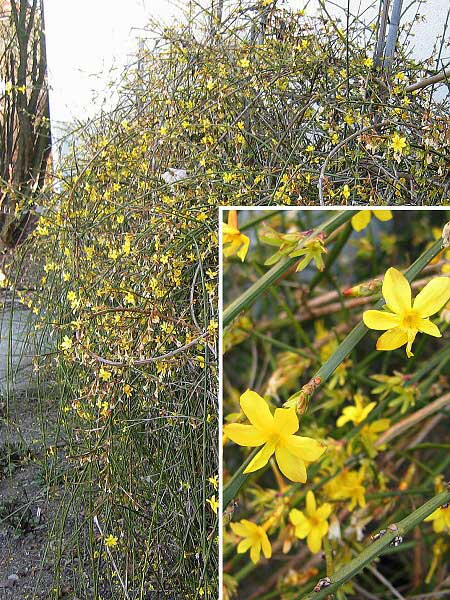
(28,507)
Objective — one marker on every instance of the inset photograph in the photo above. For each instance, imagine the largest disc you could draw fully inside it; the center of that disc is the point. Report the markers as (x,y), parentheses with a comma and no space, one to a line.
(336,403)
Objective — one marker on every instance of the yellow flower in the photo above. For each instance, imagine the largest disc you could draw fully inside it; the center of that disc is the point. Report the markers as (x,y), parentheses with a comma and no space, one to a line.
(349,119)
(370,434)
(67,343)
(346,192)
(357,413)
(214,504)
(406,319)
(255,538)
(111,541)
(214,481)
(440,518)
(348,485)
(398,143)
(244,63)
(276,432)
(104,374)
(234,241)
(130,299)
(311,250)
(89,251)
(362,218)
(354,490)
(314,524)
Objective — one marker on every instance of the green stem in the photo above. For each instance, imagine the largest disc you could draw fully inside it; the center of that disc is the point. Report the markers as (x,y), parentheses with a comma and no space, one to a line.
(235,483)
(267,215)
(352,568)
(328,556)
(246,299)
(277,343)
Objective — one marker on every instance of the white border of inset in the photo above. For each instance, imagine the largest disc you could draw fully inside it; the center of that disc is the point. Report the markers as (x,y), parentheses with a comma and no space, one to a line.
(262,208)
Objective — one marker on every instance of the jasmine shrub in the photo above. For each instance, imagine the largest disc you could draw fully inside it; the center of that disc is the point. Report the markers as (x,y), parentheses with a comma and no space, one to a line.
(335,442)
(267,105)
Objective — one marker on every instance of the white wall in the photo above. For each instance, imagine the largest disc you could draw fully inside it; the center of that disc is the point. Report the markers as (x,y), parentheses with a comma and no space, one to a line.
(425,32)
(89,40)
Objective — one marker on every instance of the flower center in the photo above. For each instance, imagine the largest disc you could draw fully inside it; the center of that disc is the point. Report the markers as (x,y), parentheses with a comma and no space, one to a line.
(275,439)
(410,320)
(315,522)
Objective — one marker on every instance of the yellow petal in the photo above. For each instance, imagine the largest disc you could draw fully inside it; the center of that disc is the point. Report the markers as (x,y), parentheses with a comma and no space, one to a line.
(301,531)
(380,319)
(252,528)
(310,503)
(361,220)
(380,425)
(296,517)
(446,516)
(256,410)
(439,525)
(304,448)
(350,413)
(434,515)
(244,435)
(411,334)
(392,339)
(229,230)
(245,241)
(261,459)
(343,419)
(240,528)
(324,511)
(396,291)
(323,528)
(383,215)
(255,553)
(266,546)
(285,420)
(231,247)
(244,545)
(314,540)
(366,410)
(433,296)
(303,528)
(426,326)
(292,467)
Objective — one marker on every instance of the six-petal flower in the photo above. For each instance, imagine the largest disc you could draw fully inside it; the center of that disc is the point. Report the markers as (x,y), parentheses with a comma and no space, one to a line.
(276,434)
(404,318)
(254,538)
(311,524)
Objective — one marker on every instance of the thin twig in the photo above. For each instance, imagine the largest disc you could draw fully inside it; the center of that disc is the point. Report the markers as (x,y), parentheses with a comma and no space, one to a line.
(413,419)
(429,81)
(336,149)
(385,582)
(144,361)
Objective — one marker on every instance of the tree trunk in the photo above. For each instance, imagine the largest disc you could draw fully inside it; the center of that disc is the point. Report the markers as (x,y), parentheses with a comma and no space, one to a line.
(25,139)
